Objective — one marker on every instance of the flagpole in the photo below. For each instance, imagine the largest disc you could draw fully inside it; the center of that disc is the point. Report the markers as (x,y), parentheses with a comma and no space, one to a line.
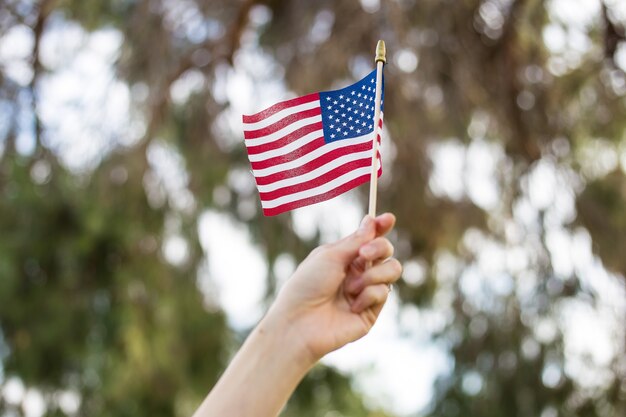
(380,61)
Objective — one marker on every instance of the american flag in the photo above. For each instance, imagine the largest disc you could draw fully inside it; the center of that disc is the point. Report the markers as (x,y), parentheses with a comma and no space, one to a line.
(313,148)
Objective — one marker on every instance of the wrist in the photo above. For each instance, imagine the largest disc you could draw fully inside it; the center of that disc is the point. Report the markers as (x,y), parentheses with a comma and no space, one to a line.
(283,328)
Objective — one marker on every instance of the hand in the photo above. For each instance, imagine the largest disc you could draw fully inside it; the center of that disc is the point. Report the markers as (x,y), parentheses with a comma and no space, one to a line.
(332,298)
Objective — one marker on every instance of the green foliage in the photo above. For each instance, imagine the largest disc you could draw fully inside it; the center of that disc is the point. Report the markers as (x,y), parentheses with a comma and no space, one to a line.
(89,302)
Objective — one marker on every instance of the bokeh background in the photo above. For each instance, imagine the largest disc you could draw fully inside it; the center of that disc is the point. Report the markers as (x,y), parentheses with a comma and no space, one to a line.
(134,257)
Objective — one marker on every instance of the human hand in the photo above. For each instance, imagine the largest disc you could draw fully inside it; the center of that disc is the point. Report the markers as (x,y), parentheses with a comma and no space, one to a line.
(333,298)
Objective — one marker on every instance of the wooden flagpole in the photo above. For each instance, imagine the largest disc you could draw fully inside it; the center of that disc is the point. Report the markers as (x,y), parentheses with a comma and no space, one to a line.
(380,61)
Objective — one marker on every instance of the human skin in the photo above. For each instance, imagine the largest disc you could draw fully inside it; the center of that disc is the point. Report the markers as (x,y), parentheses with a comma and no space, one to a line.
(333,298)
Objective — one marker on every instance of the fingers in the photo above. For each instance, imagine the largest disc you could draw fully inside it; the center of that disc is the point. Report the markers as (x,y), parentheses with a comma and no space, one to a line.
(385,273)
(371,296)
(348,248)
(384,223)
(378,249)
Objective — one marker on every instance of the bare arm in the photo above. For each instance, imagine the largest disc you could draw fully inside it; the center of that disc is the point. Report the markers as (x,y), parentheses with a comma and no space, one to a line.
(330,300)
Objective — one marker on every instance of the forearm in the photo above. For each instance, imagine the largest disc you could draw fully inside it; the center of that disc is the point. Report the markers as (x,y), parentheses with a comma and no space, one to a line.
(263,374)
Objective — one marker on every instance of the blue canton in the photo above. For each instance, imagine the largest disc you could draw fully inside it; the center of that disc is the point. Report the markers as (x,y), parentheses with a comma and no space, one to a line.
(349,112)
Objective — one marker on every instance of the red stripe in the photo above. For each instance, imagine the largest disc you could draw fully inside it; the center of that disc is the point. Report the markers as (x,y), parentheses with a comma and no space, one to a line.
(285,140)
(280,106)
(316,163)
(284,122)
(316,182)
(319,198)
(291,156)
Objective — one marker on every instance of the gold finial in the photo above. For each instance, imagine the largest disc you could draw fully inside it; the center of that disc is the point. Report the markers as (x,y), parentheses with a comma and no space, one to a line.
(381,52)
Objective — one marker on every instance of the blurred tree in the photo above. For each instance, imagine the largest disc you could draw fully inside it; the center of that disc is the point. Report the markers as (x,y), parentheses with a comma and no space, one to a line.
(92,305)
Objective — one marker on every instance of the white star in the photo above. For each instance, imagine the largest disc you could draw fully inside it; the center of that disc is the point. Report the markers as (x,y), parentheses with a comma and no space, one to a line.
(357,121)
(360,104)
(359,95)
(345,133)
(350,93)
(356,111)
(351,127)
(338,129)
(363,88)
(369,88)
(341,96)
(342,105)
(362,114)
(369,116)
(332,135)
(335,102)
(358,131)
(349,108)
(343,115)
(330,116)
(363,124)
(329,107)
(332,126)
(328,98)
(353,101)
(336,111)
(367,107)
(344,124)
(350,118)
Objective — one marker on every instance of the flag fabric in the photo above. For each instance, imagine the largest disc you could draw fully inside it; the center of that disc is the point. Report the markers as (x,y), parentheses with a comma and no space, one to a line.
(312,148)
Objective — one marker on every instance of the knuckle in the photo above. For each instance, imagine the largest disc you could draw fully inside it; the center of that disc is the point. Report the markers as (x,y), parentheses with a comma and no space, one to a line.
(396,267)
(320,250)
(381,294)
(389,248)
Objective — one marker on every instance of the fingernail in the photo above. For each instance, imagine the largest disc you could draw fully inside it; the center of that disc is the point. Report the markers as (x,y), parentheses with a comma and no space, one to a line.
(365,225)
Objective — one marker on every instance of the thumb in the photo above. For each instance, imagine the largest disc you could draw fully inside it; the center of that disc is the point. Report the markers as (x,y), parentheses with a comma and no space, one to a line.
(348,247)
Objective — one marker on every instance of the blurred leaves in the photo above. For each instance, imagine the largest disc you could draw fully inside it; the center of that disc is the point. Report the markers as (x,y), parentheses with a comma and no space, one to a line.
(91,303)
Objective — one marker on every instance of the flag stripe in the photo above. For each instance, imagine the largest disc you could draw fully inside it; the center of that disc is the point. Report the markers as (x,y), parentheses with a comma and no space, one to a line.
(289,147)
(324,188)
(280,106)
(317,180)
(280,115)
(286,121)
(287,139)
(283,132)
(291,156)
(324,154)
(311,175)
(318,198)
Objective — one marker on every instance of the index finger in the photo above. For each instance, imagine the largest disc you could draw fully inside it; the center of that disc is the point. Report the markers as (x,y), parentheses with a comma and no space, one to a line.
(384,223)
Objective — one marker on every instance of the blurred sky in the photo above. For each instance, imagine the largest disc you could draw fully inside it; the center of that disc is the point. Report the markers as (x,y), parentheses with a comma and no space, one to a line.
(88,112)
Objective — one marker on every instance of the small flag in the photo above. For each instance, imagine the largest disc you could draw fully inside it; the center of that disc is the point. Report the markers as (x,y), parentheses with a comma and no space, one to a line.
(312,148)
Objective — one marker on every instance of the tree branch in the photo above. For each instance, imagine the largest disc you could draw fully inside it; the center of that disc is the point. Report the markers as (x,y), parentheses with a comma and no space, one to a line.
(45,8)
(231,39)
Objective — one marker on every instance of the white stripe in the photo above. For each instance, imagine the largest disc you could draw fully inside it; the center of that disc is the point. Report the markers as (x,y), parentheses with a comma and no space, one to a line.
(280,115)
(331,185)
(312,155)
(290,147)
(283,131)
(343,159)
